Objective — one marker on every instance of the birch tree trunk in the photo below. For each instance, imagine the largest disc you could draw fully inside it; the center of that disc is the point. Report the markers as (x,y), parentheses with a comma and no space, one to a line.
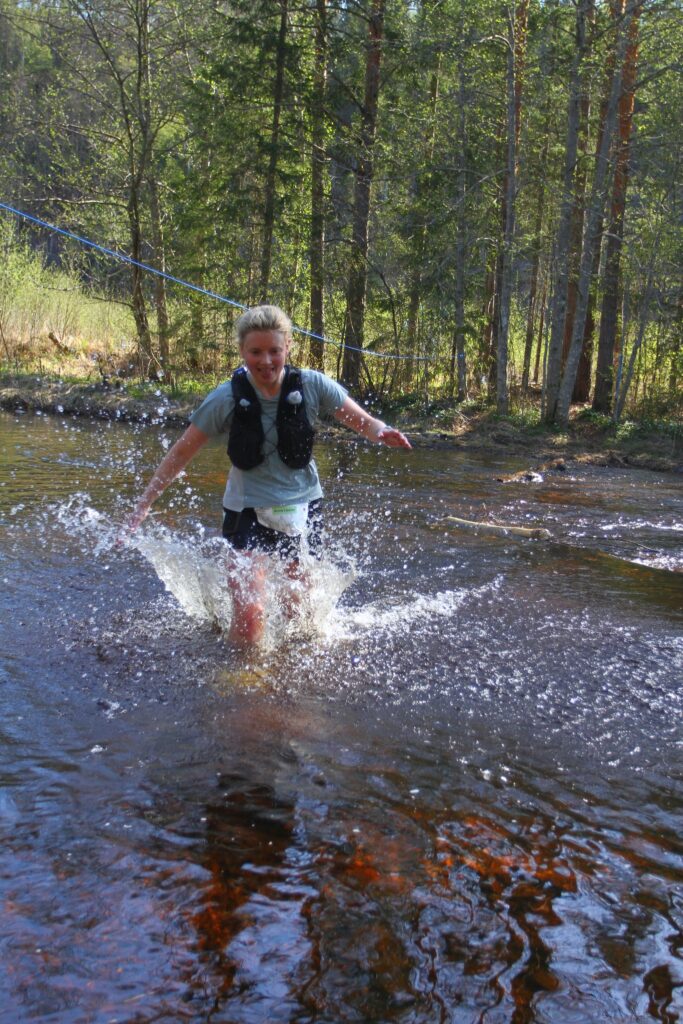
(676,354)
(157,230)
(489,316)
(533,291)
(541,329)
(584,372)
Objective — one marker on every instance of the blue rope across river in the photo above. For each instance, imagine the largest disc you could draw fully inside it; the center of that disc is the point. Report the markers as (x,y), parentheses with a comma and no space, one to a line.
(194,287)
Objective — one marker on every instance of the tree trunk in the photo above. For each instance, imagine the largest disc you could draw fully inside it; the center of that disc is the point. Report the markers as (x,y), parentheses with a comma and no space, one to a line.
(595,215)
(533,290)
(579,212)
(622,390)
(274,153)
(137,129)
(536,261)
(458,348)
(420,233)
(487,352)
(137,294)
(609,320)
(539,344)
(676,354)
(517,20)
(318,159)
(160,303)
(358,273)
(153,186)
(196,339)
(563,243)
(582,386)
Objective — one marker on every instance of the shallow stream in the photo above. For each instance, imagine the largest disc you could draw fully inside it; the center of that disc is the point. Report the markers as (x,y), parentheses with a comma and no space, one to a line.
(450,794)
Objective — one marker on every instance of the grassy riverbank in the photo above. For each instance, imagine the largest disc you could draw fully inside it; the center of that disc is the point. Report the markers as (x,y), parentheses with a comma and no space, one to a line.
(589,437)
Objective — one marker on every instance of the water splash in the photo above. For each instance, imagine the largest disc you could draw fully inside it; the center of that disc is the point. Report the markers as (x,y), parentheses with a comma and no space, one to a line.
(622,523)
(398,615)
(192,569)
(200,571)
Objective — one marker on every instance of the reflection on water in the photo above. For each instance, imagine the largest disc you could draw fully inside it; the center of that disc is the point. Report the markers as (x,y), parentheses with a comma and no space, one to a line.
(452,795)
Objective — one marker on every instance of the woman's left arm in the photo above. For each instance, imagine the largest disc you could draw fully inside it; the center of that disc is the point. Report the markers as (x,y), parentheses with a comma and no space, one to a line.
(367,426)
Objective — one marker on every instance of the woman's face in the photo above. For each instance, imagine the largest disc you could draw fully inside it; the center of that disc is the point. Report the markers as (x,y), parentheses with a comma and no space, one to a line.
(265,354)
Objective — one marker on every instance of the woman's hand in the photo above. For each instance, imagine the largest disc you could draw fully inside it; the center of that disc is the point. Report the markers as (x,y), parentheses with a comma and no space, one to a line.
(393,438)
(137,516)
(132,522)
(173,463)
(367,426)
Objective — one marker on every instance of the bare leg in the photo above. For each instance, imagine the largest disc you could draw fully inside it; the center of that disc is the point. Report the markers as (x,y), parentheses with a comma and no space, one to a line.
(299,576)
(297,599)
(247,587)
(295,593)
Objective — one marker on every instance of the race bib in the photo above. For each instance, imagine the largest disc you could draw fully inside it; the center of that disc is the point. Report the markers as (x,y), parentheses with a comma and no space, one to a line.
(289,519)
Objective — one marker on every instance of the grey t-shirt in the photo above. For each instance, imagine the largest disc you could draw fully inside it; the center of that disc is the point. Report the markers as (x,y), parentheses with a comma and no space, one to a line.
(271,483)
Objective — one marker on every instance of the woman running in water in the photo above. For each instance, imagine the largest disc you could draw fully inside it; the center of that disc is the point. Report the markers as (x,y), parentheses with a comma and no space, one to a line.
(269,410)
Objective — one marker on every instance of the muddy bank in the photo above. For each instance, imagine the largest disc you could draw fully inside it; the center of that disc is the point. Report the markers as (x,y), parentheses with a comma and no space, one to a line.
(97,401)
(581,441)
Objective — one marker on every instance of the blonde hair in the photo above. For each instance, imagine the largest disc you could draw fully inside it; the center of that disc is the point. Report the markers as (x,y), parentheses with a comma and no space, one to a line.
(263,318)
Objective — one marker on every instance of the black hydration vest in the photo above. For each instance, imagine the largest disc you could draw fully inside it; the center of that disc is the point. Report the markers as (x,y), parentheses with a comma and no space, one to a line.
(294,432)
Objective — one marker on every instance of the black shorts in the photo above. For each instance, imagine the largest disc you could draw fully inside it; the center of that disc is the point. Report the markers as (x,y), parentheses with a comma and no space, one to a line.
(243,531)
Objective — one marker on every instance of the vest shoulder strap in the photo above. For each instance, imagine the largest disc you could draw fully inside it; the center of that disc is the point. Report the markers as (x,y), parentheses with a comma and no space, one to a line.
(242,386)
(246,433)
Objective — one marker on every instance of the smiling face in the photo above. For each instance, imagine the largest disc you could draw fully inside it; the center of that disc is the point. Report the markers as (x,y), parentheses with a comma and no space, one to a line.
(265,354)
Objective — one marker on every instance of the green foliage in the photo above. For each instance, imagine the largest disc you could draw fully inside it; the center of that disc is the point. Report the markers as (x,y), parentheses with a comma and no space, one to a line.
(528,419)
(179,156)
(629,430)
(596,419)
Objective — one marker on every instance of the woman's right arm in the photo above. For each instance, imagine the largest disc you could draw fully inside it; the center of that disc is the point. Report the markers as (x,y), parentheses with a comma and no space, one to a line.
(173,463)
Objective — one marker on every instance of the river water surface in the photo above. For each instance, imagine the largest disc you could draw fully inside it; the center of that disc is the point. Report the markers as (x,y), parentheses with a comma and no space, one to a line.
(451,793)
